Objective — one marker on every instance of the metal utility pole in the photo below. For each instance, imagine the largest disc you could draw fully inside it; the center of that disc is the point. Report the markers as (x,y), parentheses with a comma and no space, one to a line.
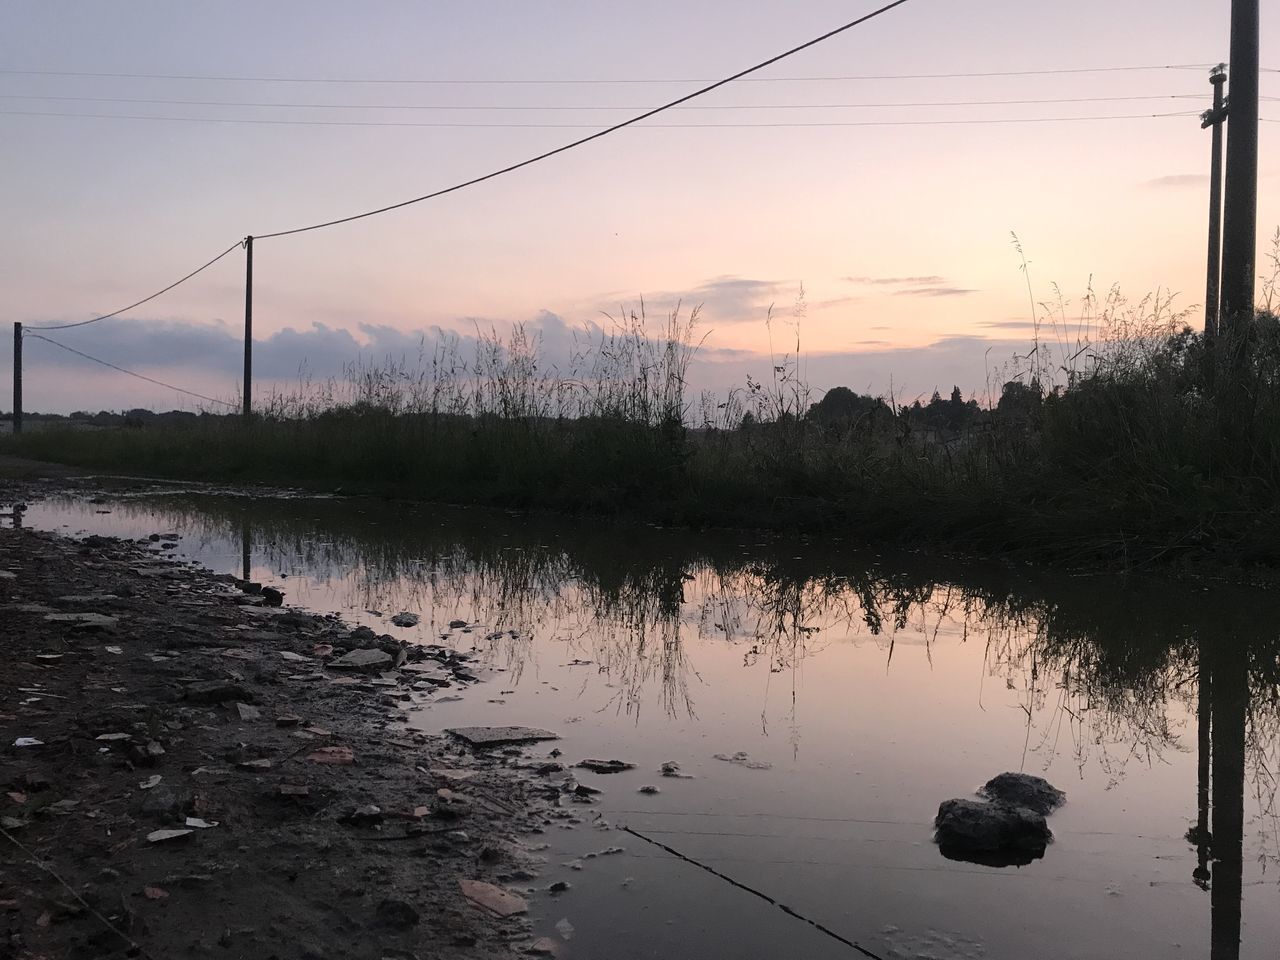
(17,378)
(1240,204)
(1214,118)
(248,328)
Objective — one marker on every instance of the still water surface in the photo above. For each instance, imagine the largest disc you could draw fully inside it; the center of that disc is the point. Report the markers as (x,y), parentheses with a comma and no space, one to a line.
(873,688)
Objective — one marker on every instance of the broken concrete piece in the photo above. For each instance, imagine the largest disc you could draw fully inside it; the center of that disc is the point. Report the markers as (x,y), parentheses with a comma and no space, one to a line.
(741,759)
(370,661)
(499,736)
(502,903)
(159,836)
(606,766)
(334,756)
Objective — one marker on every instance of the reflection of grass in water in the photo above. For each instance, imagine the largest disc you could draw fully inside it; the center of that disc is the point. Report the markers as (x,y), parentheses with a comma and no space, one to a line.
(1100,664)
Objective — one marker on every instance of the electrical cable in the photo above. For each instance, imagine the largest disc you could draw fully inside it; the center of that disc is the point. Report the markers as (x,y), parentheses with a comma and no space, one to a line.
(600,133)
(606,80)
(541,108)
(465,125)
(116,313)
(159,383)
(821,928)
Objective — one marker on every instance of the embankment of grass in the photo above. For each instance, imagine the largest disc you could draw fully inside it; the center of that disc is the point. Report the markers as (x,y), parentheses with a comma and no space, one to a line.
(1167,451)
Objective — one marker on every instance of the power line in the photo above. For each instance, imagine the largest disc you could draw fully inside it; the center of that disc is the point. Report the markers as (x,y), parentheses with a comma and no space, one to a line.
(522,81)
(821,928)
(116,313)
(546,108)
(160,383)
(600,133)
(564,126)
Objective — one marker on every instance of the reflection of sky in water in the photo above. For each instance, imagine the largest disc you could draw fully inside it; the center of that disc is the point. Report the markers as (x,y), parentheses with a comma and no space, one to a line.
(873,691)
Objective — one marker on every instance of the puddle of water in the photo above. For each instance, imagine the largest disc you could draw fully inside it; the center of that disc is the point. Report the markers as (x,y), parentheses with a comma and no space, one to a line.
(864,690)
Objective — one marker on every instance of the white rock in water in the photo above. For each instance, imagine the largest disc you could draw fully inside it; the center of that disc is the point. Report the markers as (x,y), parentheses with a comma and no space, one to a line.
(742,760)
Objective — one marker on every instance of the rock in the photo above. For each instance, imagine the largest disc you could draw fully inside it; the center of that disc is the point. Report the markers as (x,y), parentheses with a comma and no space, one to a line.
(272,597)
(396,914)
(741,759)
(1024,790)
(163,802)
(364,816)
(606,766)
(649,788)
(560,886)
(499,736)
(97,621)
(406,619)
(994,834)
(672,769)
(368,661)
(246,712)
(542,947)
(159,836)
(216,691)
(450,806)
(502,903)
(457,624)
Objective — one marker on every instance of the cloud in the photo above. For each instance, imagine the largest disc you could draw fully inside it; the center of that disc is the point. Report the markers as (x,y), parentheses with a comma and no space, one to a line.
(931,286)
(728,299)
(896,281)
(934,292)
(1008,324)
(1180,180)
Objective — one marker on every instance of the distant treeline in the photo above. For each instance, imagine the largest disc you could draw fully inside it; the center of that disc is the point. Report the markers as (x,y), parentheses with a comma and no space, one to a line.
(136,417)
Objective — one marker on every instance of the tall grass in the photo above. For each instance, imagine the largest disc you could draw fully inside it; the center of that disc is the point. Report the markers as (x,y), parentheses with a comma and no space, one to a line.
(1111,441)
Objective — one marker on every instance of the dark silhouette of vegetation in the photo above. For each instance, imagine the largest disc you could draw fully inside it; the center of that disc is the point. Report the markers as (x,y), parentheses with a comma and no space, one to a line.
(1126,450)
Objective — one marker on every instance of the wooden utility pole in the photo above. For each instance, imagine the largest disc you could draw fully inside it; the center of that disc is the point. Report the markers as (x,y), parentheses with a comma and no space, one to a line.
(17,378)
(248,328)
(1214,118)
(1240,201)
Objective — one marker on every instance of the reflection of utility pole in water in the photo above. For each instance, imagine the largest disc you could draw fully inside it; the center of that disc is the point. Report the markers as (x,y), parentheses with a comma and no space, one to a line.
(1230,699)
(1199,834)
(246,547)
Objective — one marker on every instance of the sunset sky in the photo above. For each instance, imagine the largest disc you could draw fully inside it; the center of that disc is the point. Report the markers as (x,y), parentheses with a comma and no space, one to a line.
(900,235)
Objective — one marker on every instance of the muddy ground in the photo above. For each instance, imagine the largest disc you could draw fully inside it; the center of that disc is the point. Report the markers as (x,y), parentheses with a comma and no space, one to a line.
(186,771)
